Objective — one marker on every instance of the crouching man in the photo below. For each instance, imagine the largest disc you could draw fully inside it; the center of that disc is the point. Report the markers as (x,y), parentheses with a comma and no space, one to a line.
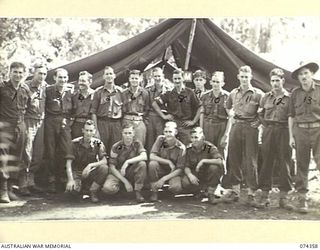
(89,167)
(166,161)
(127,165)
(203,166)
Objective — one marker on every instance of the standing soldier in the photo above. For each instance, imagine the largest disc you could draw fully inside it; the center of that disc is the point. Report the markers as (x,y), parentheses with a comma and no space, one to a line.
(166,161)
(304,127)
(34,126)
(155,123)
(214,116)
(136,105)
(81,104)
(199,80)
(14,96)
(127,165)
(89,167)
(243,142)
(107,110)
(57,125)
(182,105)
(203,165)
(274,107)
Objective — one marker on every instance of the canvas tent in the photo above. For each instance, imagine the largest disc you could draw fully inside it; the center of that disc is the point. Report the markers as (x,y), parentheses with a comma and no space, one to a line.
(212,49)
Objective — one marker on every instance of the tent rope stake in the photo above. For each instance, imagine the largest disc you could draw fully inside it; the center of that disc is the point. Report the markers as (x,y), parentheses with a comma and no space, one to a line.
(189,49)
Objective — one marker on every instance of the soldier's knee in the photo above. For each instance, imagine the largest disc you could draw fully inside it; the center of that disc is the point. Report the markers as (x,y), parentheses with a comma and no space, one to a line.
(175,188)
(153,165)
(214,169)
(103,169)
(142,164)
(110,188)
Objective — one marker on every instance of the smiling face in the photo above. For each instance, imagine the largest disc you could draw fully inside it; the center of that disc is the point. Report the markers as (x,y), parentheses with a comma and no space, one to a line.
(134,80)
(197,137)
(17,74)
(157,76)
(88,131)
(61,77)
(109,75)
(217,82)
(177,79)
(305,77)
(170,131)
(84,83)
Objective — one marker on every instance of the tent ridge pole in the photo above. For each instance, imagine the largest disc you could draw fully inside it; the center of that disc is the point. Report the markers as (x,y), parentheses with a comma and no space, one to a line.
(190,43)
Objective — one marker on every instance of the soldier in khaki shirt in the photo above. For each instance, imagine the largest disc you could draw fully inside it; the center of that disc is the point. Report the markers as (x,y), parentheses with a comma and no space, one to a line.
(166,161)
(242,105)
(274,107)
(106,110)
(203,165)
(127,165)
(304,112)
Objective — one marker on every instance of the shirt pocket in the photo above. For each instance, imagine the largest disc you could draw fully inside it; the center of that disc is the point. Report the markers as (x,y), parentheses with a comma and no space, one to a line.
(67,103)
(251,107)
(208,108)
(117,109)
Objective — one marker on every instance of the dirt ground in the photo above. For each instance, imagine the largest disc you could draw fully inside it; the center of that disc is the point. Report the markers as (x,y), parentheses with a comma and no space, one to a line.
(123,206)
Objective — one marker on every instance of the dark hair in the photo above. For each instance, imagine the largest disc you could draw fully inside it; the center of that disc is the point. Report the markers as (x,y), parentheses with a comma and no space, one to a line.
(15,65)
(90,123)
(40,66)
(127,125)
(86,73)
(134,72)
(178,71)
(245,69)
(277,72)
(108,67)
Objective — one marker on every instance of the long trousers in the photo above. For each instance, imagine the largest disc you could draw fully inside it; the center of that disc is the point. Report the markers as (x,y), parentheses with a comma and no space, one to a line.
(243,155)
(275,148)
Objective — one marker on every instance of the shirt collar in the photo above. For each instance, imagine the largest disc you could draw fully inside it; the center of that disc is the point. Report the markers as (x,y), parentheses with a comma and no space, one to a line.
(182,89)
(139,90)
(251,88)
(284,93)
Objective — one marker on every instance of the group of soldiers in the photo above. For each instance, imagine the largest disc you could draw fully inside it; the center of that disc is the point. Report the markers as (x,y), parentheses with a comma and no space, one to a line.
(147,136)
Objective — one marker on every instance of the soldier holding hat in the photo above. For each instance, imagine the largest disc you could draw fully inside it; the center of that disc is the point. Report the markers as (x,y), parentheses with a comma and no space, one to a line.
(304,136)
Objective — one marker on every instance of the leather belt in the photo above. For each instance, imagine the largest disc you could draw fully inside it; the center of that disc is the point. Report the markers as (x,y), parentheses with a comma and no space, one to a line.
(309,125)
(133,117)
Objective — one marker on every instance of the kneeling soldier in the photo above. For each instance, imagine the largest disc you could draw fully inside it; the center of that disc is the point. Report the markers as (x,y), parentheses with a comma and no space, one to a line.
(127,164)
(166,161)
(89,165)
(203,165)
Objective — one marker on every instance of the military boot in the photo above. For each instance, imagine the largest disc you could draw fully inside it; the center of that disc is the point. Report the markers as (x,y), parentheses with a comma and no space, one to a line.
(302,206)
(139,197)
(284,202)
(264,200)
(4,197)
(212,199)
(154,196)
(94,189)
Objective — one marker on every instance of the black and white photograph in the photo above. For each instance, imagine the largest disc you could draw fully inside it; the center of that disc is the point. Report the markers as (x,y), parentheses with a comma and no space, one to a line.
(159,118)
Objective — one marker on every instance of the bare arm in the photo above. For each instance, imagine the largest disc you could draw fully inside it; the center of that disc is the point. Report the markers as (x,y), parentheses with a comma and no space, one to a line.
(154,157)
(117,174)
(291,138)
(157,109)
